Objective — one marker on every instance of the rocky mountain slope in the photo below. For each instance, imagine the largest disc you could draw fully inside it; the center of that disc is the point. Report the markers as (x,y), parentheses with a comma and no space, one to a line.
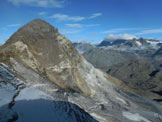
(102,58)
(24,102)
(141,76)
(44,78)
(158,54)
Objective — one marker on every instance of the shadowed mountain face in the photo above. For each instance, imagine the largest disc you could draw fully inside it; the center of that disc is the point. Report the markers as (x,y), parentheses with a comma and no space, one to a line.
(158,55)
(43,110)
(139,75)
(38,45)
(102,59)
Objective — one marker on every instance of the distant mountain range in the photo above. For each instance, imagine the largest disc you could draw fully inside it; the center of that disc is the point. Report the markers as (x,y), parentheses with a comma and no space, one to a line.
(136,62)
(83,47)
(133,43)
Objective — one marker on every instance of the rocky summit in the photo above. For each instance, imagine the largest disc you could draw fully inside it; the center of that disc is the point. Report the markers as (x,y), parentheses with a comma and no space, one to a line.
(39,46)
(43,78)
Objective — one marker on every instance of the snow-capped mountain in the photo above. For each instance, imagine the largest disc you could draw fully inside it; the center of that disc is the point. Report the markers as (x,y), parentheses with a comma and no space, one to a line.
(131,44)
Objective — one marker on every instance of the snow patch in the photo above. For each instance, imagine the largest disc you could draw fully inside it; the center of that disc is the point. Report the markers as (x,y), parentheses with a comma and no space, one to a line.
(6,93)
(135,117)
(121,100)
(152,42)
(4,65)
(31,94)
(98,117)
(138,43)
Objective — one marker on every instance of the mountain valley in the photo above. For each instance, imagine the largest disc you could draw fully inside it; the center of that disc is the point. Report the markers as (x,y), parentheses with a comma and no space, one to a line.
(137,65)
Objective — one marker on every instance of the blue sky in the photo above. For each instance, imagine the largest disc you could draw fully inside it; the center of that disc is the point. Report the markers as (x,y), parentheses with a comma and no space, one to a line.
(86,20)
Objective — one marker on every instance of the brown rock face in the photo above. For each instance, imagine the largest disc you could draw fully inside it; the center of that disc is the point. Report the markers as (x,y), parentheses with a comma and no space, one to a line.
(39,46)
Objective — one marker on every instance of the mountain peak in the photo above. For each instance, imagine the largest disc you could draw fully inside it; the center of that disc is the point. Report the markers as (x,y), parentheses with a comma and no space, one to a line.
(41,47)
(38,22)
(38,25)
(35,30)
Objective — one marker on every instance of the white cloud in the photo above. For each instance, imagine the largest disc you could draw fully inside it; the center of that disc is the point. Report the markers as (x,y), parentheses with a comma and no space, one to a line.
(64,17)
(117,30)
(95,15)
(92,25)
(74,25)
(69,31)
(14,25)
(60,17)
(77,18)
(81,25)
(40,3)
(113,37)
(42,13)
(150,31)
